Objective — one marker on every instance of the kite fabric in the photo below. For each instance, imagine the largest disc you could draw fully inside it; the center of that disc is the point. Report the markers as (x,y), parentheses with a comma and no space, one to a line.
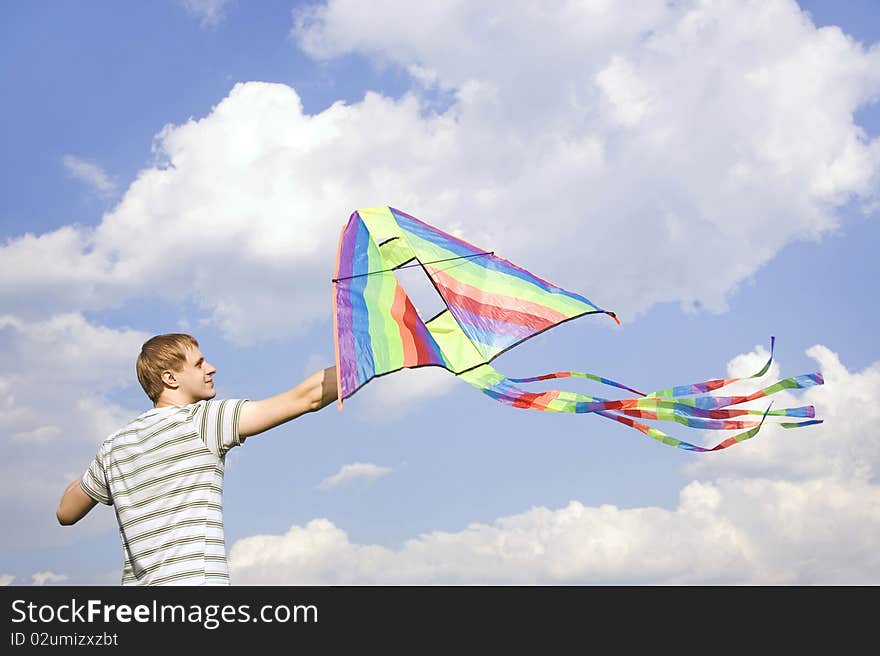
(491,306)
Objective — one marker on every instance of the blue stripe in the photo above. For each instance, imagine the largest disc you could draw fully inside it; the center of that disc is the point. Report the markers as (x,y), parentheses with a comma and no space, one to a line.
(478,333)
(515,331)
(360,324)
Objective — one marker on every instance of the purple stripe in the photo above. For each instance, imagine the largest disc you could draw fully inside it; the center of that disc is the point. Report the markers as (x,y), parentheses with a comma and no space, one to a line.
(489,325)
(344,317)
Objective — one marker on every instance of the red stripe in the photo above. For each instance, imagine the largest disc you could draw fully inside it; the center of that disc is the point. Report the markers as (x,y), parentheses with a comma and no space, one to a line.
(723,445)
(738,425)
(419,352)
(535,400)
(399,309)
(497,313)
(641,414)
(498,306)
(632,423)
(525,400)
(411,319)
(715,384)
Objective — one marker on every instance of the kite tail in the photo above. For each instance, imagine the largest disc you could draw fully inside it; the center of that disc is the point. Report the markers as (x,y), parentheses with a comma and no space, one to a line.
(679,390)
(577,374)
(660,436)
(701,411)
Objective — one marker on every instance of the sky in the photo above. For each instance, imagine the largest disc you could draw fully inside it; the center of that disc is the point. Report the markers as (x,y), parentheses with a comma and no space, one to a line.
(706,169)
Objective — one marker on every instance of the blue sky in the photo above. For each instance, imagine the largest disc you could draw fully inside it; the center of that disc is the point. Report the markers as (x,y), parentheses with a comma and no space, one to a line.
(707,171)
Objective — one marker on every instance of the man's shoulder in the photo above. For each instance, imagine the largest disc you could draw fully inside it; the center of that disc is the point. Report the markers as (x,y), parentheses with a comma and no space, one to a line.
(151,419)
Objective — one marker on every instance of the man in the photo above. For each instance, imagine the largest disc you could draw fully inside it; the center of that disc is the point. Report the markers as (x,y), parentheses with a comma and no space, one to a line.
(163,471)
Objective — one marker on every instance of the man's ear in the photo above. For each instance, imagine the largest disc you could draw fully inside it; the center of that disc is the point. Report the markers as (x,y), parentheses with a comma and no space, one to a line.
(169,379)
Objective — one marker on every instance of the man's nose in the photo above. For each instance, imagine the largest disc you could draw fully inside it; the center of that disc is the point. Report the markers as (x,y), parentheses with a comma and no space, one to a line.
(211,369)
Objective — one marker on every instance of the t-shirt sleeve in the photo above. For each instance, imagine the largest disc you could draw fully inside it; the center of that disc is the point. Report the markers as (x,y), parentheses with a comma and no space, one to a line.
(217,423)
(94,482)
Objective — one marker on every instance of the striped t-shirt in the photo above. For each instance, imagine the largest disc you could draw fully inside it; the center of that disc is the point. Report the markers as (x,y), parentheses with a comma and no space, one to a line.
(163,472)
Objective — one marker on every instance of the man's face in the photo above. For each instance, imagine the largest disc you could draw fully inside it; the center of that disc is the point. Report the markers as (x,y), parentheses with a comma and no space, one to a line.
(196,376)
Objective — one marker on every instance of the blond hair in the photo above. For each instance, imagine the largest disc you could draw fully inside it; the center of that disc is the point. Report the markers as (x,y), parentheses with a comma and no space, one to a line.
(159,354)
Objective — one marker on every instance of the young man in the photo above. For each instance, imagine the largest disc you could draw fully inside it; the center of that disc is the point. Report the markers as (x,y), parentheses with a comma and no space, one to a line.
(163,471)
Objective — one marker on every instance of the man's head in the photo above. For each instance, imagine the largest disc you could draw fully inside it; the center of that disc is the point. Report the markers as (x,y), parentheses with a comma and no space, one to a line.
(171,368)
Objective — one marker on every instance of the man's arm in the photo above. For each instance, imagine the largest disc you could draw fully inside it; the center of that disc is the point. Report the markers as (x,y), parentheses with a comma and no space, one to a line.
(75,504)
(312,394)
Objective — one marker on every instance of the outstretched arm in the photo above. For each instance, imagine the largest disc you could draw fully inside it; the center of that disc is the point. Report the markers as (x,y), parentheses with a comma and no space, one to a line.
(312,394)
(75,504)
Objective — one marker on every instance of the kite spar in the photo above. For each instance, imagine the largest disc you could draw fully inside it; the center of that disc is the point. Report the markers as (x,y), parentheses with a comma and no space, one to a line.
(493,305)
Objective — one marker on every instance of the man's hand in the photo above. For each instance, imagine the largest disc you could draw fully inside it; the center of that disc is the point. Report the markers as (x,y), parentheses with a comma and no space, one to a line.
(75,504)
(315,392)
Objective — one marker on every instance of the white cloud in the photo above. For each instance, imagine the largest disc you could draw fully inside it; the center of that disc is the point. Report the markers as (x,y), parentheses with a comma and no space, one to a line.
(54,376)
(624,91)
(731,532)
(352,472)
(91,174)
(6,579)
(209,12)
(390,398)
(681,126)
(787,507)
(701,108)
(41,433)
(845,447)
(42,578)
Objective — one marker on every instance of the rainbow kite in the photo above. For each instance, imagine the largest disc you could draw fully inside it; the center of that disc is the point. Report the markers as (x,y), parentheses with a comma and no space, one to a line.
(491,306)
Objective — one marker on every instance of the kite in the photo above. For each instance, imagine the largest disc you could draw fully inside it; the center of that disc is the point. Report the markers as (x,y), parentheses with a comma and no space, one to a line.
(492,305)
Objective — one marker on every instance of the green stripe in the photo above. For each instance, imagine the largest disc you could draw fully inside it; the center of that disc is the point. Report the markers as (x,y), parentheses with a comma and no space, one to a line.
(177,541)
(135,431)
(128,475)
(496,282)
(93,492)
(185,575)
(235,417)
(165,529)
(182,558)
(161,445)
(129,445)
(219,434)
(385,339)
(204,432)
(173,493)
(164,512)
(169,477)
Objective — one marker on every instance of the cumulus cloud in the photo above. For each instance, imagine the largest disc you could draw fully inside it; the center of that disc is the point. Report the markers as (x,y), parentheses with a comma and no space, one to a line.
(85,361)
(681,126)
(55,376)
(391,397)
(352,472)
(6,579)
(209,12)
(788,507)
(731,532)
(91,174)
(845,447)
(44,578)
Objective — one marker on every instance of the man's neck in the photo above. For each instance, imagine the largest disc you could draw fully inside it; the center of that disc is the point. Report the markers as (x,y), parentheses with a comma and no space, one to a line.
(172,401)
